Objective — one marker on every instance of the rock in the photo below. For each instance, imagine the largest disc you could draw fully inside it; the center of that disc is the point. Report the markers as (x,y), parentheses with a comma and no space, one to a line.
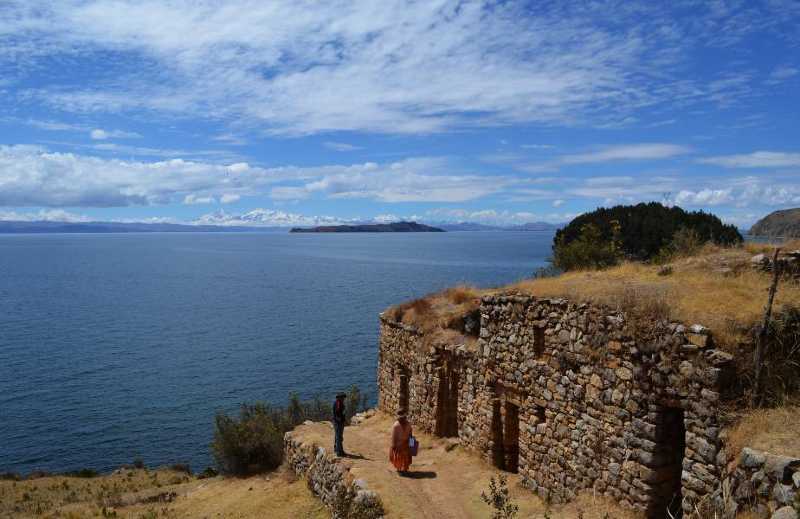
(783,494)
(699,329)
(624,374)
(787,512)
(796,479)
(759,259)
(698,339)
(752,458)
(719,358)
(780,467)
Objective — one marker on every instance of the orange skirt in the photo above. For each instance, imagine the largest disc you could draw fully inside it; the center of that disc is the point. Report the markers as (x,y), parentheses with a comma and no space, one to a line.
(400,458)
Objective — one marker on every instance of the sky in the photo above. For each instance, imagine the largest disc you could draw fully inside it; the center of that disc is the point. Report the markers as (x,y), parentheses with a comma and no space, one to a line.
(291,112)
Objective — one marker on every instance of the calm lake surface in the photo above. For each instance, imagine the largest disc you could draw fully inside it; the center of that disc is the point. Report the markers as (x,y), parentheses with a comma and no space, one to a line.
(123,346)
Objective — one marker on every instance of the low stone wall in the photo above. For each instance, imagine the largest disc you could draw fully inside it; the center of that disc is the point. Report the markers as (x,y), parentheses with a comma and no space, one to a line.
(330,480)
(763,483)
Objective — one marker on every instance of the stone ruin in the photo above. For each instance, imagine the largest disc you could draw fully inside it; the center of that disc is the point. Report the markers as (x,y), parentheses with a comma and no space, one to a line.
(571,397)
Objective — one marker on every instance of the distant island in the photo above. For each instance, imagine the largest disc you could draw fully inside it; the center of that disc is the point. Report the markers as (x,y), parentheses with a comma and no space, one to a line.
(378,227)
(779,224)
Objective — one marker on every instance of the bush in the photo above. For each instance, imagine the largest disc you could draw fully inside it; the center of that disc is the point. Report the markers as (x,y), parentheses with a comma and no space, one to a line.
(253,443)
(685,242)
(182,467)
(639,232)
(82,473)
(499,499)
(781,381)
(588,250)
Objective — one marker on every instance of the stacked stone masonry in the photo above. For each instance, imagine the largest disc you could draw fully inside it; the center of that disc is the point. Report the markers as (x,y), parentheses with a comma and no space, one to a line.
(330,480)
(762,482)
(572,397)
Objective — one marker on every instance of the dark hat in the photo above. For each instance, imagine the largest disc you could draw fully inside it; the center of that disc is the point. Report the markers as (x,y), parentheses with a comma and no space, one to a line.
(341,395)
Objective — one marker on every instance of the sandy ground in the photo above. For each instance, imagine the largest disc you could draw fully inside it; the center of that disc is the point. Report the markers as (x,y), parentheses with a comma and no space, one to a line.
(443,484)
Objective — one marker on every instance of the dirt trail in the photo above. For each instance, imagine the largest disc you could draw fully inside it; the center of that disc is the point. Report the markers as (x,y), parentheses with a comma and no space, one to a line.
(443,484)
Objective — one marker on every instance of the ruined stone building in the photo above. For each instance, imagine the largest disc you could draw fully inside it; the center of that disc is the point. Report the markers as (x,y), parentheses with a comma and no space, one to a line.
(571,397)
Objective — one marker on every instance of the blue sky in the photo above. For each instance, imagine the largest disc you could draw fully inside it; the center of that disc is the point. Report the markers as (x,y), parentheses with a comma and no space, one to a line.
(298,112)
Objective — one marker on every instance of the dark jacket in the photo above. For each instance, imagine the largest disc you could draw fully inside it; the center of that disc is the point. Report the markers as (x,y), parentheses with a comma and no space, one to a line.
(338,412)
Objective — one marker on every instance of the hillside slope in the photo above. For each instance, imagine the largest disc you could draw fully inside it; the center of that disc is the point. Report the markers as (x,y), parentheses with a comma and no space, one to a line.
(784,224)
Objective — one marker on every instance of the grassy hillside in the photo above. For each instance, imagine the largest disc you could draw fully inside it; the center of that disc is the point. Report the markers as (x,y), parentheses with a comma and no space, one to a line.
(164,493)
(784,224)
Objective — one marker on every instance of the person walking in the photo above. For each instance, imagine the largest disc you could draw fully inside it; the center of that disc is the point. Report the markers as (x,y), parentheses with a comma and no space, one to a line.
(339,418)
(400,453)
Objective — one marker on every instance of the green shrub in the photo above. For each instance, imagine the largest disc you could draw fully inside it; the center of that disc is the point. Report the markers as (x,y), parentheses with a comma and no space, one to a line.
(83,473)
(499,499)
(588,250)
(253,442)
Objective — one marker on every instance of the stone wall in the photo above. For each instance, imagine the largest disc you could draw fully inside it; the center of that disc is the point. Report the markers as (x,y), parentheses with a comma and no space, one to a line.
(761,482)
(571,397)
(331,481)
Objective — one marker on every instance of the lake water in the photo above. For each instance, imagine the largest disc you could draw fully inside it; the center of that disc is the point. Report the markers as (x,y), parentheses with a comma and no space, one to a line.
(123,346)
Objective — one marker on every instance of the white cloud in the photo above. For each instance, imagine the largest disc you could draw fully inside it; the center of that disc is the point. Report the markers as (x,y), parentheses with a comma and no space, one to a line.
(228,198)
(229,138)
(385,66)
(537,146)
(44,215)
(558,203)
(494,216)
(703,197)
(54,126)
(100,135)
(757,159)
(781,74)
(33,176)
(340,146)
(192,199)
(646,151)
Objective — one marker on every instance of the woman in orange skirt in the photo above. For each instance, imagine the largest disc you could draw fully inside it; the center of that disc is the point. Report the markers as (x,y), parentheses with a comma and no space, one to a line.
(400,453)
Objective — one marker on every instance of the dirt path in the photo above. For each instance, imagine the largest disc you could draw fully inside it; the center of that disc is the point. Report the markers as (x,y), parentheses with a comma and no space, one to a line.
(443,484)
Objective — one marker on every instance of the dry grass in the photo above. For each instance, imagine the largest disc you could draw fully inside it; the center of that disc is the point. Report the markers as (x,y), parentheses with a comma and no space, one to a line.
(440,315)
(141,494)
(763,248)
(771,430)
(716,288)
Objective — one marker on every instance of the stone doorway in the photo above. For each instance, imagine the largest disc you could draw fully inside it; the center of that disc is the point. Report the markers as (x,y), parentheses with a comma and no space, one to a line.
(669,451)
(511,437)
(402,404)
(505,430)
(447,401)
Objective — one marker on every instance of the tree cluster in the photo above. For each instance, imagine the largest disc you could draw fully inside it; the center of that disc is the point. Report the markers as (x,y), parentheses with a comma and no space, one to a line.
(638,232)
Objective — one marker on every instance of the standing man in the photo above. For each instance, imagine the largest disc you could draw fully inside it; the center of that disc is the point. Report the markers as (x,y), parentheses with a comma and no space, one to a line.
(339,419)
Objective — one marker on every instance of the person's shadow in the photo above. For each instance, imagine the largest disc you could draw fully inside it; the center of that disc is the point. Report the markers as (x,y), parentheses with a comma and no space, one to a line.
(419,474)
(354,456)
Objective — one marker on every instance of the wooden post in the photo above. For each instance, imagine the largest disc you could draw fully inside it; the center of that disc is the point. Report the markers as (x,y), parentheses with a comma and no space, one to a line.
(761,338)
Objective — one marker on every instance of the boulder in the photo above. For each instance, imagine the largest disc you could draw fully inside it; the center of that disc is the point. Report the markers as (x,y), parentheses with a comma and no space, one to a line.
(787,512)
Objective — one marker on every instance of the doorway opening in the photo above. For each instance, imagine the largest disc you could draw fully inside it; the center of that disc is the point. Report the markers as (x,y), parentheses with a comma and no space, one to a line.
(511,437)
(505,431)
(538,341)
(670,450)
(498,453)
(447,401)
